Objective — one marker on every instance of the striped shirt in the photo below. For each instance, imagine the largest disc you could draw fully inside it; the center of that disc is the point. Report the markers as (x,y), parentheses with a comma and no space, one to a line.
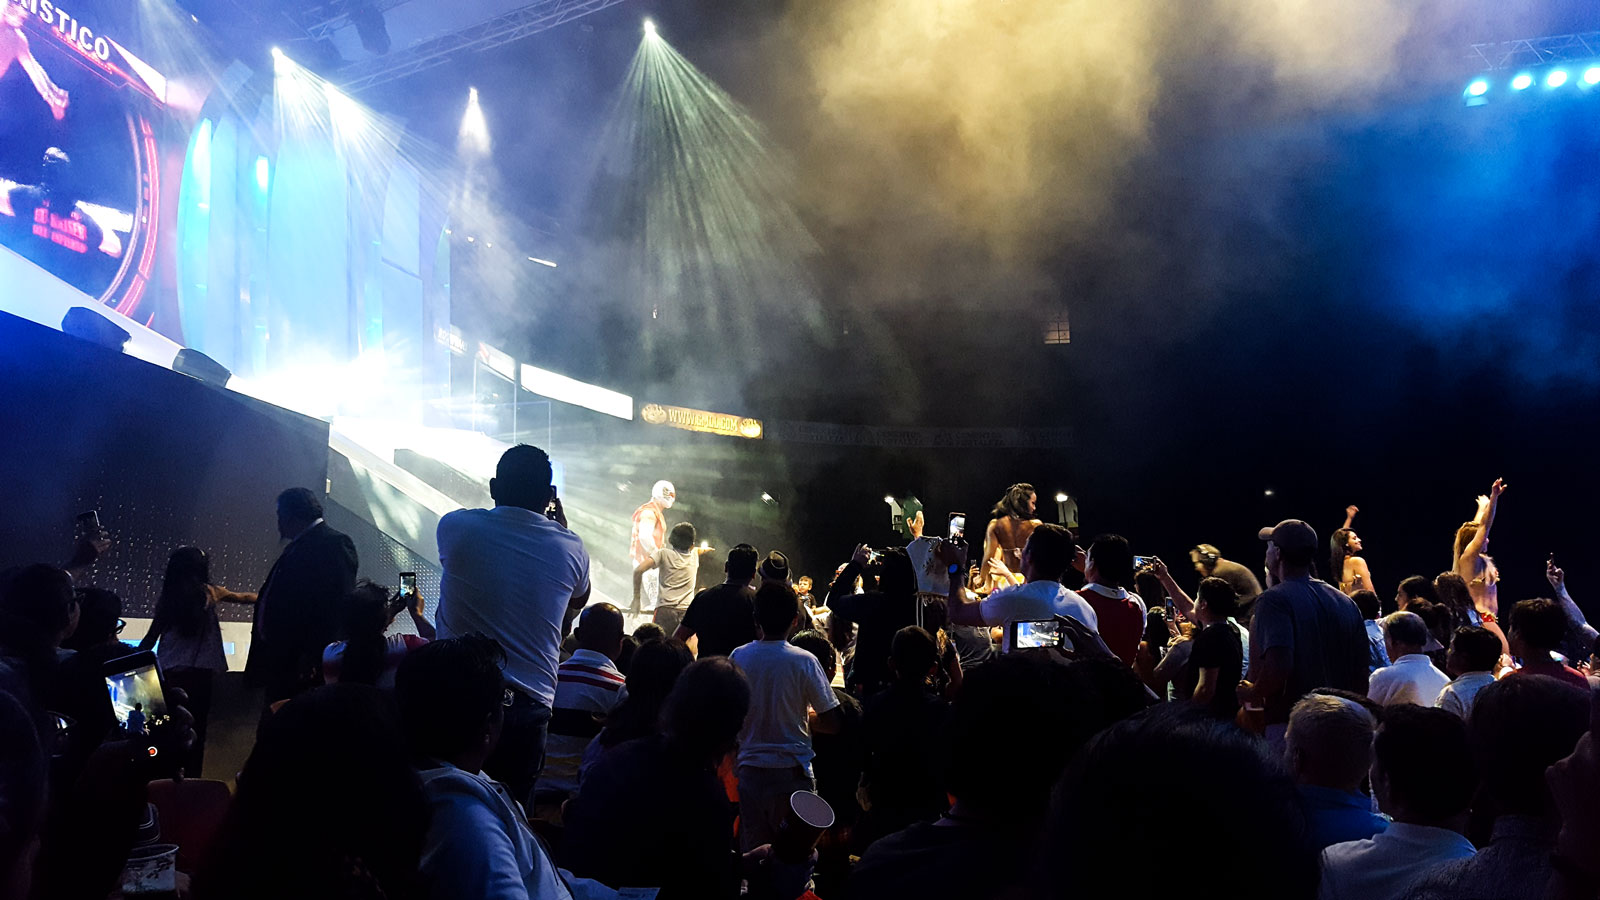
(588,688)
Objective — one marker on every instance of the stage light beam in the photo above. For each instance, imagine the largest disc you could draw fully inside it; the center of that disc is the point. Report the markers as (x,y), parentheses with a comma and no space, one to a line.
(1522,82)
(473,137)
(1556,78)
(1478,88)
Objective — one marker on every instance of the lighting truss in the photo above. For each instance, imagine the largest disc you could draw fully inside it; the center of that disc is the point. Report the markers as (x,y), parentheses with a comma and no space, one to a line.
(503,29)
(1537,51)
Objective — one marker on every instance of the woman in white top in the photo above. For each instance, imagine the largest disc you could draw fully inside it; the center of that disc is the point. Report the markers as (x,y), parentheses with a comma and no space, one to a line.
(190,635)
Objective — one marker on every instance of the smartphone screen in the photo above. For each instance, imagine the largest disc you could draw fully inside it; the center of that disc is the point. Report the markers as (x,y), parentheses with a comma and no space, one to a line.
(408,587)
(958,524)
(1030,635)
(87,524)
(136,697)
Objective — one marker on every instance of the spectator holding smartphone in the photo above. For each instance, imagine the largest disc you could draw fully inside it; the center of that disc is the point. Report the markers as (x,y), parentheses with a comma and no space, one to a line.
(365,652)
(1046,556)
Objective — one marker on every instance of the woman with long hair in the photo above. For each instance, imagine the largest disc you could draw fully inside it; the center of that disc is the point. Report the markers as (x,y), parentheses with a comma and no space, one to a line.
(1348,566)
(1012,521)
(365,652)
(190,636)
(656,667)
(1456,595)
(1470,555)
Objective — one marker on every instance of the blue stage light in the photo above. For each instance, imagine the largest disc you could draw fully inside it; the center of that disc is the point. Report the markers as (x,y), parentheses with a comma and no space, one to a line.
(263,174)
(1591,75)
(1478,88)
(1522,82)
(1556,78)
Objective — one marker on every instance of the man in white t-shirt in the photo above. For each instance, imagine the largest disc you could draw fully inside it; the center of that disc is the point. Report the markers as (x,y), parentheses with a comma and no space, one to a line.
(677,567)
(1045,558)
(513,574)
(1412,678)
(789,699)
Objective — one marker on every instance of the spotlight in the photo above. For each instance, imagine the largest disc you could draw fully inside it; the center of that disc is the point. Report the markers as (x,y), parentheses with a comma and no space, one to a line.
(888,498)
(1268,492)
(1522,82)
(767,498)
(1061,497)
(263,174)
(649,28)
(1556,78)
(474,133)
(1591,75)
(542,262)
(276,53)
(1478,88)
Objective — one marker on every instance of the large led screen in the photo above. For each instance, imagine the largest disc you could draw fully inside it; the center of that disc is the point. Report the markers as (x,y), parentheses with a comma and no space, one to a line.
(79,184)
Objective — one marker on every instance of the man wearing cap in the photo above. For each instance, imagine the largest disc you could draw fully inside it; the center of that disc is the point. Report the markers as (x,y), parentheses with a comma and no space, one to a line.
(1305,634)
(649,533)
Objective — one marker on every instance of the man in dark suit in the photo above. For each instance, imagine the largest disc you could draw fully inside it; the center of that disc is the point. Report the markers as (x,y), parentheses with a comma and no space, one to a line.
(297,613)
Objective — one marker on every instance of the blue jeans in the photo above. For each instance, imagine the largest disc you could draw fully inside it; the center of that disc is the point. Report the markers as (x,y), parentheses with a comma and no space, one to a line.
(519,757)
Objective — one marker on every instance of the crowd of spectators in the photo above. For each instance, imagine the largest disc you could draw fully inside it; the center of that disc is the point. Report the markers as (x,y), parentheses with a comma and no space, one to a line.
(1062,718)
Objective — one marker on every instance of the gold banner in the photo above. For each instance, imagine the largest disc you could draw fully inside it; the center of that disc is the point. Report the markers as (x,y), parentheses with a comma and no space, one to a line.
(702,420)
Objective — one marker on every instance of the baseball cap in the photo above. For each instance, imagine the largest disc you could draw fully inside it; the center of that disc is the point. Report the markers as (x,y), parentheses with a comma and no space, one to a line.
(1291,534)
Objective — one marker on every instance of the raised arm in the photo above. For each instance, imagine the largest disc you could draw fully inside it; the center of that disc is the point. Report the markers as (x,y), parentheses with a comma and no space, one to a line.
(1575,616)
(962,611)
(1350,515)
(1180,598)
(419,618)
(1487,506)
(844,583)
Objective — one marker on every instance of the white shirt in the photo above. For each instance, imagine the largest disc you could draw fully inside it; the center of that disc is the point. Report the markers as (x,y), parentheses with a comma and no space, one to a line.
(933,576)
(1412,679)
(1033,602)
(511,573)
(1118,594)
(1383,866)
(784,681)
(678,574)
(1459,695)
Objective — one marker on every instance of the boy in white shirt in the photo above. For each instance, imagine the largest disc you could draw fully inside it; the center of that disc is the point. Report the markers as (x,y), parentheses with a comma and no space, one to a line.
(787,686)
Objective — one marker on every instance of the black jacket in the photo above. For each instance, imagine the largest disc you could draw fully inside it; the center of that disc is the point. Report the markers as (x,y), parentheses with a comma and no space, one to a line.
(297,613)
